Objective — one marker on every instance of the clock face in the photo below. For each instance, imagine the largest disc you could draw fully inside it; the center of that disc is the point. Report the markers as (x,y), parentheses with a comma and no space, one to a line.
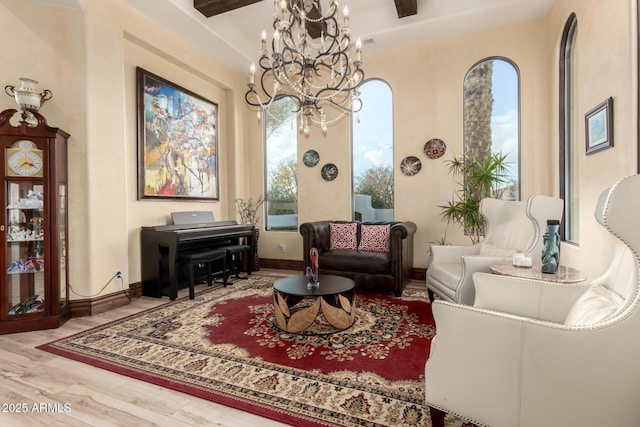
(25,163)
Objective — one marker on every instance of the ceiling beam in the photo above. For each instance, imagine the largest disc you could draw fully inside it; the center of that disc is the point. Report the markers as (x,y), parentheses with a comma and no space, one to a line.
(406,7)
(215,7)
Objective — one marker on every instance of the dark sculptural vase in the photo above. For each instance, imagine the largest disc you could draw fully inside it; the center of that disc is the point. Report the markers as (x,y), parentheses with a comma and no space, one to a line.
(551,248)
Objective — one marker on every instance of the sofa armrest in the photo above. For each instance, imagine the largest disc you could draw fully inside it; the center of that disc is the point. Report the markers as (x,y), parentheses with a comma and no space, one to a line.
(464,363)
(470,265)
(535,299)
(405,229)
(449,254)
(315,235)
(401,250)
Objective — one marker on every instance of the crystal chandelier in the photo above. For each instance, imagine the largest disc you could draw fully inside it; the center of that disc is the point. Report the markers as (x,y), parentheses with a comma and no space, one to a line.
(310,62)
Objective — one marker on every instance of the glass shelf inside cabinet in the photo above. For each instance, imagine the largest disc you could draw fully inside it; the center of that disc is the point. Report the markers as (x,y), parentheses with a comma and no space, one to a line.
(25,260)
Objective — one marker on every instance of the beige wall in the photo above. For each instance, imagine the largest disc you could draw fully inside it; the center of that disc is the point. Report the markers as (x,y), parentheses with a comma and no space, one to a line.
(47,44)
(87,57)
(426,80)
(606,66)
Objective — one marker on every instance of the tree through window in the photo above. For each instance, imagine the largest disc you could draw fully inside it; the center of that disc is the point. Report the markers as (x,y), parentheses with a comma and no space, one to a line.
(372,147)
(281,166)
(492,117)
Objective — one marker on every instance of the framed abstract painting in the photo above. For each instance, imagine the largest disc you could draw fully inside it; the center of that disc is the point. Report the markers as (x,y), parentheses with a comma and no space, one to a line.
(177,141)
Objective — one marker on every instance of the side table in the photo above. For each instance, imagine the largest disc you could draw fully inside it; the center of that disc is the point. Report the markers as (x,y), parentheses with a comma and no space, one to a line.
(563,275)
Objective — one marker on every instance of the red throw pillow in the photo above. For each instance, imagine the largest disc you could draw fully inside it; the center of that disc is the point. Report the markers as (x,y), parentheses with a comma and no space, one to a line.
(374,238)
(343,236)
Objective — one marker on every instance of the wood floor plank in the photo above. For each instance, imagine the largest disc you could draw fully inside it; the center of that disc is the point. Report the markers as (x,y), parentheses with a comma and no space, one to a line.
(96,397)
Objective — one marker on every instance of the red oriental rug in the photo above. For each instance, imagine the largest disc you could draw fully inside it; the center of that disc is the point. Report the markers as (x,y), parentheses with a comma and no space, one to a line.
(222,346)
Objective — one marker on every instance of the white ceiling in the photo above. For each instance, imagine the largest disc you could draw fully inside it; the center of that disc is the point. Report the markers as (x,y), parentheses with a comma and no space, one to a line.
(234,37)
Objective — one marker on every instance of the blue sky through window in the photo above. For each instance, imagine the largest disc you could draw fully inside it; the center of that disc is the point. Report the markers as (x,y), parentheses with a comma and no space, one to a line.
(373,136)
(504,117)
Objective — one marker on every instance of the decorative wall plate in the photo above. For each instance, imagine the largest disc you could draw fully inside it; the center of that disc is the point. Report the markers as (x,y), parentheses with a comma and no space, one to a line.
(329,172)
(435,148)
(410,165)
(310,158)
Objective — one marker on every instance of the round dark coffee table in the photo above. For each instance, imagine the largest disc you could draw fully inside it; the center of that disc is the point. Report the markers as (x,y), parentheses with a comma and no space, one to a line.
(327,309)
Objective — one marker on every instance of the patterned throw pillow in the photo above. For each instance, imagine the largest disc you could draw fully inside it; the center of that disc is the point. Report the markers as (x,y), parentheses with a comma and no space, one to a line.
(374,238)
(343,236)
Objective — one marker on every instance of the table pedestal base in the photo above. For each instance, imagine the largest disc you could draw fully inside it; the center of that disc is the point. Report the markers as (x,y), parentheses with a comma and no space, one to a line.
(314,315)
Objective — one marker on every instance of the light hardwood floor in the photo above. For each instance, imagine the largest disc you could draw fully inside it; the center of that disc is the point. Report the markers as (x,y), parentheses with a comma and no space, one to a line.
(42,384)
(55,391)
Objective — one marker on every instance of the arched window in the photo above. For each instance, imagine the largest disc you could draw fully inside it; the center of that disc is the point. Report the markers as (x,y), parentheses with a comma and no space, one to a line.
(569,144)
(372,153)
(492,118)
(281,167)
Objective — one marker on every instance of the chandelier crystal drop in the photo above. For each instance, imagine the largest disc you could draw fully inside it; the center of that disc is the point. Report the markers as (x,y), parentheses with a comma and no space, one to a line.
(311,62)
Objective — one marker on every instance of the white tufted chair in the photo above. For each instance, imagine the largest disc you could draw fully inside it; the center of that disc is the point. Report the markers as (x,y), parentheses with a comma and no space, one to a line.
(511,227)
(548,355)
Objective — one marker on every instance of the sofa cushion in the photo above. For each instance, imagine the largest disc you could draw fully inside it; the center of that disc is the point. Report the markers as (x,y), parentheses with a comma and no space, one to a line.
(595,305)
(355,261)
(374,238)
(343,236)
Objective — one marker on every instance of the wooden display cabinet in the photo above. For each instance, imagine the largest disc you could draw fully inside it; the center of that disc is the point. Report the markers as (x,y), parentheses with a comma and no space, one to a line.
(34,285)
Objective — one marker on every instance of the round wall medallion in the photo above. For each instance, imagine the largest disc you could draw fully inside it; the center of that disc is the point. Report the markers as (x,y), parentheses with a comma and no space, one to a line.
(435,148)
(410,165)
(310,158)
(329,172)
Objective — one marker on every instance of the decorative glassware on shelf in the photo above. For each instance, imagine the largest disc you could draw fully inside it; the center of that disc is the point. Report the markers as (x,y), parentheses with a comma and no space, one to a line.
(312,270)
(551,248)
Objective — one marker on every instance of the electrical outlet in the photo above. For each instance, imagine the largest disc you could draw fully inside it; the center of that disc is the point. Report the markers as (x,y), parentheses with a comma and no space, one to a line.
(117,273)
(282,247)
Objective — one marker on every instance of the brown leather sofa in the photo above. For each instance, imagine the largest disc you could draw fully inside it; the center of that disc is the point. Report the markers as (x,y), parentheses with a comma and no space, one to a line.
(371,271)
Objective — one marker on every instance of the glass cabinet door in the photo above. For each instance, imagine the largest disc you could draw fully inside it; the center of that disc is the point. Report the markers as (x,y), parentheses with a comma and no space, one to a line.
(63,296)
(25,249)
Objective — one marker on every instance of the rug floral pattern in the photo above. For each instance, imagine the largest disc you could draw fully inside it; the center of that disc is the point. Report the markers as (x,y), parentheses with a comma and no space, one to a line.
(223,346)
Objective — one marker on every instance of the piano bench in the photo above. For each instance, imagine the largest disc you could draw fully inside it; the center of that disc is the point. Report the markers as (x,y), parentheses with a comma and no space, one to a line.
(233,258)
(194,259)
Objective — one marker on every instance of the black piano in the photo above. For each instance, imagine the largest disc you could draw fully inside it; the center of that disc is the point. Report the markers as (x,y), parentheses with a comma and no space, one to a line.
(162,244)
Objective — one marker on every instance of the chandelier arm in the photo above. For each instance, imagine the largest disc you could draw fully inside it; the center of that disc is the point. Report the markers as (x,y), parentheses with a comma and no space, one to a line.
(270,97)
(265,63)
(282,70)
(348,108)
(331,23)
(344,85)
(248,101)
(290,57)
(296,100)
(314,74)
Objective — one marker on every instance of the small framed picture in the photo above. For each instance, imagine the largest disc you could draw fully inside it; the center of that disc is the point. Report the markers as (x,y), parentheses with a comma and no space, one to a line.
(599,126)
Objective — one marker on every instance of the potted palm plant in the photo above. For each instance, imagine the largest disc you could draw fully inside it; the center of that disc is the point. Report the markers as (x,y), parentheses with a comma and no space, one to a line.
(480,178)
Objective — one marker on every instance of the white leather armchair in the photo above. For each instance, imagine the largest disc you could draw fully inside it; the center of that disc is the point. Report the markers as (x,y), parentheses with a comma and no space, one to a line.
(511,227)
(548,354)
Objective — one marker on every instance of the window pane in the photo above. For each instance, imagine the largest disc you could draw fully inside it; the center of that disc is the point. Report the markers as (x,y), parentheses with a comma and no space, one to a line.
(281,166)
(492,118)
(372,144)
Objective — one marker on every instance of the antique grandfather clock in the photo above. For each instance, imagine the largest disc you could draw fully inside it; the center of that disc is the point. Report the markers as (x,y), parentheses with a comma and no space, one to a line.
(34,285)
